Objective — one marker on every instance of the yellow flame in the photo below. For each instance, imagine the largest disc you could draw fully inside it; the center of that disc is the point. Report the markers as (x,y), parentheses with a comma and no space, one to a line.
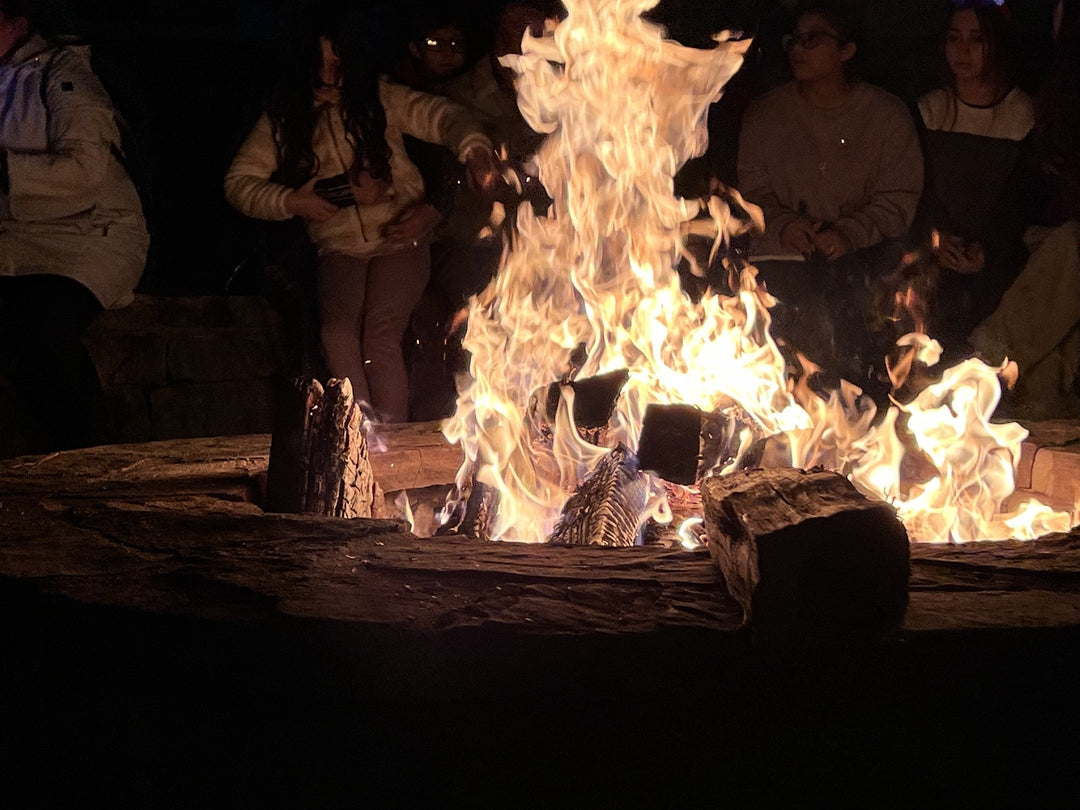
(624,109)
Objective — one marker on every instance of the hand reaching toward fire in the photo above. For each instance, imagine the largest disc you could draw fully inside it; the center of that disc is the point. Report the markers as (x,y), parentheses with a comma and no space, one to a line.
(481,171)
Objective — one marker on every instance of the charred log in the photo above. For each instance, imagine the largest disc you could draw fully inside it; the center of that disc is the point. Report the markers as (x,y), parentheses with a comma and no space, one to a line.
(681,443)
(809,558)
(606,509)
(594,398)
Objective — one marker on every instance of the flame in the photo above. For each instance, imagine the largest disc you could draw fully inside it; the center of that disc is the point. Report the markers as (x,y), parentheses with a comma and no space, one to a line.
(590,288)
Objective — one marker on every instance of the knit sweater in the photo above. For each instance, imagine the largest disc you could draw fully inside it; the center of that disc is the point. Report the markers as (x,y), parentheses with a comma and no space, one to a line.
(856,167)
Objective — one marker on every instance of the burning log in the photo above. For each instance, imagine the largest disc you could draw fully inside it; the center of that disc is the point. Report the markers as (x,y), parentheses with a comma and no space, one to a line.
(681,443)
(473,513)
(594,398)
(606,510)
(318,454)
(809,558)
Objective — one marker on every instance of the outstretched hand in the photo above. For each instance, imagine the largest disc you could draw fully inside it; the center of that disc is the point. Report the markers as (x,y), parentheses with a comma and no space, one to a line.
(480,169)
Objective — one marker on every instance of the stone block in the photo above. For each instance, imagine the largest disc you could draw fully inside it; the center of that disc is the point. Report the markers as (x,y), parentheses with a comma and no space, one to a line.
(190,409)
(138,315)
(216,355)
(128,357)
(128,409)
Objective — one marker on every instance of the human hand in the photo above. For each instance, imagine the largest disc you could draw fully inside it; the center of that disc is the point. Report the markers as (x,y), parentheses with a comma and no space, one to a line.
(305,203)
(831,243)
(413,224)
(368,190)
(798,235)
(953,254)
(480,169)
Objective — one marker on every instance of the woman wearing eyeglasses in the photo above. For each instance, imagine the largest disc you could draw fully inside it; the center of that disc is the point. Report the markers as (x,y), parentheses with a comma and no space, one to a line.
(835,165)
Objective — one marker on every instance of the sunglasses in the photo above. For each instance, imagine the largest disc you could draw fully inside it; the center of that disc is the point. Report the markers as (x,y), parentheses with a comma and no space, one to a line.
(808,41)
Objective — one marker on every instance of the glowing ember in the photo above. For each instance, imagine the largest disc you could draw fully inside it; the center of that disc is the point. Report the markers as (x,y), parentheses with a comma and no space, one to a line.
(624,109)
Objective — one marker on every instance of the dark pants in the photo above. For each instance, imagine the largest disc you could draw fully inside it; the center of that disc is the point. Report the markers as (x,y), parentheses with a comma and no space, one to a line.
(42,322)
(825,310)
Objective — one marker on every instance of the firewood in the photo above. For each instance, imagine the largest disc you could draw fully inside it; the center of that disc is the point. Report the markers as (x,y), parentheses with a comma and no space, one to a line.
(594,398)
(318,457)
(809,558)
(606,509)
(681,443)
(473,512)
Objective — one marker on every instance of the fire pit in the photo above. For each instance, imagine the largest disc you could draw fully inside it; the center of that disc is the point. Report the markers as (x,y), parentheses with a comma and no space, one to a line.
(165,636)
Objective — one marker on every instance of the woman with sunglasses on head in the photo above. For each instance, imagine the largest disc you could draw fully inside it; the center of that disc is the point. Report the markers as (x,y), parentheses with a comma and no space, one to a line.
(975,130)
(835,165)
(329,150)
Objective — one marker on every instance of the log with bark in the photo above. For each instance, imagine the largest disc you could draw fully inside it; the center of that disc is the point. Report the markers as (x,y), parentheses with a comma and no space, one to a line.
(318,454)
(810,559)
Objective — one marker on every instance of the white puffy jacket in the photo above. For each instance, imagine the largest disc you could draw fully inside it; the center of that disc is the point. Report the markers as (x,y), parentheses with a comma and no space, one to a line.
(67,206)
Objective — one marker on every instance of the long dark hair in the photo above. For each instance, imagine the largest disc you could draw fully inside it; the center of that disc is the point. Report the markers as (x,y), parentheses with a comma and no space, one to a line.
(995,22)
(291,108)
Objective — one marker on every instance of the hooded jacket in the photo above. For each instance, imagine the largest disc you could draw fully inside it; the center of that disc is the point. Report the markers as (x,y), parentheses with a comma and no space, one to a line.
(67,206)
(355,230)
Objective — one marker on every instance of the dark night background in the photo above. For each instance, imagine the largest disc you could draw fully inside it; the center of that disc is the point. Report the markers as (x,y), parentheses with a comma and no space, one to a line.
(190,77)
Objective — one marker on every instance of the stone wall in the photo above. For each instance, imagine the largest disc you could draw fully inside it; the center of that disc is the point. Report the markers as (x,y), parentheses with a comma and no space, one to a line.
(177,367)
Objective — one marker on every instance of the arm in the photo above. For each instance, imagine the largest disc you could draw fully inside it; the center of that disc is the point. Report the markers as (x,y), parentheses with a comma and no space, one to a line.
(434,119)
(248,187)
(67,177)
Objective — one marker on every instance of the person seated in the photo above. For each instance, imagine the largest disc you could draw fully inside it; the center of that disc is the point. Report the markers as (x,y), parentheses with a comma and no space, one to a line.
(975,128)
(73,240)
(1036,325)
(835,165)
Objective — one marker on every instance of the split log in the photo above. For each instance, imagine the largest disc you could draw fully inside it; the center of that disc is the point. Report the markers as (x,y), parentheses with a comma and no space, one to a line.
(318,455)
(606,510)
(810,559)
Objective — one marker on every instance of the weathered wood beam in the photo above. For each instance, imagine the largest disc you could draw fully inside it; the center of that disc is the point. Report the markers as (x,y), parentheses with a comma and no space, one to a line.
(810,559)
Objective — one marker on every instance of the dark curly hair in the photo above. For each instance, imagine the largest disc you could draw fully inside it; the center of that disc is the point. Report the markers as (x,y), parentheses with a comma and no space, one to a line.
(290,106)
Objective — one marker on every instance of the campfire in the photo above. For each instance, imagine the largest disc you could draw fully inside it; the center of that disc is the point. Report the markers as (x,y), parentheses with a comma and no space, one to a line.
(590,293)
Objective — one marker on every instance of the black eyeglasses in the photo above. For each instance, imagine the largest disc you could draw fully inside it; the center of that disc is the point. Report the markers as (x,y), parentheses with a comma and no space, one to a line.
(452,45)
(809,40)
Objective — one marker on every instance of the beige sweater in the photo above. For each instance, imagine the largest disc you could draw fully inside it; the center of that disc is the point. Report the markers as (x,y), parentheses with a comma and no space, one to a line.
(857,167)
(357,229)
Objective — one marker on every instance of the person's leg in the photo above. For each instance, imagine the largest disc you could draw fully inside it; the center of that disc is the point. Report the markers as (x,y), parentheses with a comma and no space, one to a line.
(395,284)
(42,321)
(342,295)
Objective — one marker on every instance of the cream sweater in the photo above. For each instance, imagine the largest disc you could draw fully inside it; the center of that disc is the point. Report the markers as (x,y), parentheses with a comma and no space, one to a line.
(357,229)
